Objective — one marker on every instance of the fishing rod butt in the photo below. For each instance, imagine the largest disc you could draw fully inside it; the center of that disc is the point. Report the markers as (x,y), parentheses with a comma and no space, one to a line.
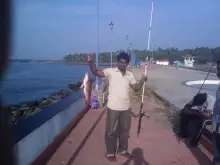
(138,133)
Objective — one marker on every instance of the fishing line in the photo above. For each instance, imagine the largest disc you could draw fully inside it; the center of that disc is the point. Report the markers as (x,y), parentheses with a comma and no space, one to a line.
(213,63)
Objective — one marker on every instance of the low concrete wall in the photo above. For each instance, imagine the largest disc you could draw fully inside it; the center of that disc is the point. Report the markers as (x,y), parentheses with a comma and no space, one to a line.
(35,142)
(38,137)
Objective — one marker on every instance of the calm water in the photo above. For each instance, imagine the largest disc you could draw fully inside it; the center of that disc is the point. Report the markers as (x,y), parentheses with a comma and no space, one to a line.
(25,81)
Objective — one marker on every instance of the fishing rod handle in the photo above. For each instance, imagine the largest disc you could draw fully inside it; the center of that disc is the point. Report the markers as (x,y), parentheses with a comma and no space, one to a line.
(145,73)
(145,69)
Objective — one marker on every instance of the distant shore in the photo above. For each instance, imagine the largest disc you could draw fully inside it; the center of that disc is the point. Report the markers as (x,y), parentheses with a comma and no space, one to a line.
(58,62)
(200,67)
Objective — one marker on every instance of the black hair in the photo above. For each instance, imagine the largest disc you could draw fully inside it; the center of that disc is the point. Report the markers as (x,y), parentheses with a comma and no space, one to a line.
(199,99)
(123,56)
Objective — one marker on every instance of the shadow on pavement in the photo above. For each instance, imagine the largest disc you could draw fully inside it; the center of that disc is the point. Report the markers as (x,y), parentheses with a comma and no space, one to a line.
(137,158)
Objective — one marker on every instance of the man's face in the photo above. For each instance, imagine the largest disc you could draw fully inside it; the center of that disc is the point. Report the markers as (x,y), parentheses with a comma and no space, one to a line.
(218,70)
(122,65)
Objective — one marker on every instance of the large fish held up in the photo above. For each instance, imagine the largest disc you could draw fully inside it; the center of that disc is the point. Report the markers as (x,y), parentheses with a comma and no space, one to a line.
(87,88)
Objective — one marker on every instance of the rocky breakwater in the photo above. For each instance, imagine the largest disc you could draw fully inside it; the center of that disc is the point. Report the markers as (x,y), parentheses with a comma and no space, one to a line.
(23,110)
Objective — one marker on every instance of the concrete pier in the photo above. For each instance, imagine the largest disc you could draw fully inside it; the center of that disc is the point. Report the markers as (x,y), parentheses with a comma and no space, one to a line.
(157,143)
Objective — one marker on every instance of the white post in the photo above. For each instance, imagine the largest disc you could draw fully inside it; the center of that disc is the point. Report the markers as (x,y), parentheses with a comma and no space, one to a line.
(151,17)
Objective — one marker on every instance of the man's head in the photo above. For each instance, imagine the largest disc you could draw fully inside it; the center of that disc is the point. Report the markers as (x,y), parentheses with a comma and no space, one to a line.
(123,61)
(199,99)
(218,69)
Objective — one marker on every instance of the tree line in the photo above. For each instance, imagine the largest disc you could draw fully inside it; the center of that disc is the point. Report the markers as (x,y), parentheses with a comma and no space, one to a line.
(202,55)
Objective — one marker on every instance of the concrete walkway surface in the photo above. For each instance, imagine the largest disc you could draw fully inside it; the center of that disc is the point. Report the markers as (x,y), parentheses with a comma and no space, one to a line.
(156,145)
(169,83)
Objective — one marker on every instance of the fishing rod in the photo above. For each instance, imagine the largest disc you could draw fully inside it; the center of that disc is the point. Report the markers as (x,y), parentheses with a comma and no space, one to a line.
(213,63)
(142,113)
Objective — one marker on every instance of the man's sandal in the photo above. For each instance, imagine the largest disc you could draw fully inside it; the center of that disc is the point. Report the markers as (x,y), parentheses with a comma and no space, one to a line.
(125,154)
(111,157)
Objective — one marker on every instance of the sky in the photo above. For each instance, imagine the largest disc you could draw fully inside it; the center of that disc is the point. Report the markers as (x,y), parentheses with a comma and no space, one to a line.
(50,29)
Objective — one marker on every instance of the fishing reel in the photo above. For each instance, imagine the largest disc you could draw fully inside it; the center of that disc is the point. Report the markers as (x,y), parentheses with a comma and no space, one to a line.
(143,114)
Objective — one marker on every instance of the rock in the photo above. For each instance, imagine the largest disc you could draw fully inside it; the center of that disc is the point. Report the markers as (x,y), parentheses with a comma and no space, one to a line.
(72,86)
(28,108)
(45,103)
(57,97)
(24,109)
(36,110)
(15,112)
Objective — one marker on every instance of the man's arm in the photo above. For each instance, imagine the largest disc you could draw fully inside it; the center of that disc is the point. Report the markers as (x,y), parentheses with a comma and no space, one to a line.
(209,109)
(136,86)
(96,72)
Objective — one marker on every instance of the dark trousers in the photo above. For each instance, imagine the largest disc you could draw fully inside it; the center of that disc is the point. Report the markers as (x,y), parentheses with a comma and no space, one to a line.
(216,150)
(121,133)
(191,122)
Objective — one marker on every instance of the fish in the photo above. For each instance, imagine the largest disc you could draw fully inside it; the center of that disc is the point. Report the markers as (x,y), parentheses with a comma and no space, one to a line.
(87,88)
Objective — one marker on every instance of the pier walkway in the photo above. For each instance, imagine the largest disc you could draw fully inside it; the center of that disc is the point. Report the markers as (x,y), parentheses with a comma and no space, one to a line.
(156,145)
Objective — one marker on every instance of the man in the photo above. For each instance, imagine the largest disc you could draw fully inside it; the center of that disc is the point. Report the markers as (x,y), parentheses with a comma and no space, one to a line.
(118,106)
(193,115)
(215,123)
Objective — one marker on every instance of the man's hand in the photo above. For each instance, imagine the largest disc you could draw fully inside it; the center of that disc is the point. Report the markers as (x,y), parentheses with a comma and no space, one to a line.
(144,78)
(136,87)
(96,72)
(207,113)
(88,58)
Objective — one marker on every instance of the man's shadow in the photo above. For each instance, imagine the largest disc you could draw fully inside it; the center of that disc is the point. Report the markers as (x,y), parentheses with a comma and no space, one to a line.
(137,157)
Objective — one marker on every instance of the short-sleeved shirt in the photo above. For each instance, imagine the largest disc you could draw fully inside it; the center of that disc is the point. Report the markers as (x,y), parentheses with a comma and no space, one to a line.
(119,89)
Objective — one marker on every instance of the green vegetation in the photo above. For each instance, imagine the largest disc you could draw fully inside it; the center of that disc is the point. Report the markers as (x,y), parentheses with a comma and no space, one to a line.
(201,54)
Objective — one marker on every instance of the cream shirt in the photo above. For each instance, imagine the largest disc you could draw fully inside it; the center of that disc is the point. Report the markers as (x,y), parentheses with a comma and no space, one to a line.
(119,86)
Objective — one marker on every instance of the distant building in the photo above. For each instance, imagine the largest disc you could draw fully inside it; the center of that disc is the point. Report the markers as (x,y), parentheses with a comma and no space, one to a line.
(163,62)
(188,60)
(178,63)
